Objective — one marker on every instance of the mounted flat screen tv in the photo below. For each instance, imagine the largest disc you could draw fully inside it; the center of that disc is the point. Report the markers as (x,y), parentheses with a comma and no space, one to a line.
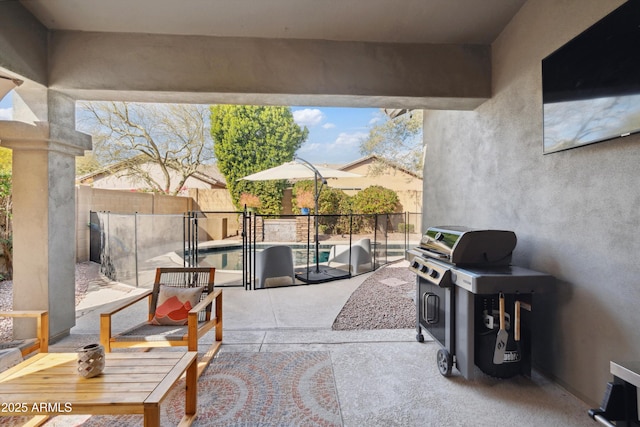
(591,85)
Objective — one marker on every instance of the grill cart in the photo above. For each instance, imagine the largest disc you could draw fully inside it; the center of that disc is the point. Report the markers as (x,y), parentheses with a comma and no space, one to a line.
(473,302)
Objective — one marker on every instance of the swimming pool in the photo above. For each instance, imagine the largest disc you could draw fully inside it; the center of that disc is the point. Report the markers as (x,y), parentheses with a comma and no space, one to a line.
(230,257)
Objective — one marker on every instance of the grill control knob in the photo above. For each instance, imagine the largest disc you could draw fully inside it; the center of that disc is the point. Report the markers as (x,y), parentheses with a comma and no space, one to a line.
(433,274)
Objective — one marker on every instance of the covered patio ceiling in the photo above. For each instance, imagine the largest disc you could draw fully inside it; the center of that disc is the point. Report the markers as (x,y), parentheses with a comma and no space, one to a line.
(397,21)
(375,53)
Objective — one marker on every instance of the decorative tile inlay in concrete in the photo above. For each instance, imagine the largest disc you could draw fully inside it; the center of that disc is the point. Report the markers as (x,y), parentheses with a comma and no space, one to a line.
(393,282)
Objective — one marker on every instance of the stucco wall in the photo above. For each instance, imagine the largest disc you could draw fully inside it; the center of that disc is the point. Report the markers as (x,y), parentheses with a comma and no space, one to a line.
(126,202)
(212,199)
(23,42)
(575,212)
(232,70)
(219,225)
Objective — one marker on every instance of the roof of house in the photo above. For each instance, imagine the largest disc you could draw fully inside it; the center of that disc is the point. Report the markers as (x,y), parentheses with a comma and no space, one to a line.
(377,158)
(209,174)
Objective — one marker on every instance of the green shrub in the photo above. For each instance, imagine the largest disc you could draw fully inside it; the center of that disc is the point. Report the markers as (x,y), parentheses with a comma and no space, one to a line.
(376,200)
(372,200)
(402,227)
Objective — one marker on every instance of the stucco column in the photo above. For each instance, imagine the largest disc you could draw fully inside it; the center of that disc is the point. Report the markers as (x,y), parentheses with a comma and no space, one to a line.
(44,205)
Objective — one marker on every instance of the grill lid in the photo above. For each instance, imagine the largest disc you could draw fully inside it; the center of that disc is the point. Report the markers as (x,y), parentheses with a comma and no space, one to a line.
(466,246)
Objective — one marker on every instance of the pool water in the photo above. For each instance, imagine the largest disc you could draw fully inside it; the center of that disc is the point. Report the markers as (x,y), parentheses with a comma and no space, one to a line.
(230,258)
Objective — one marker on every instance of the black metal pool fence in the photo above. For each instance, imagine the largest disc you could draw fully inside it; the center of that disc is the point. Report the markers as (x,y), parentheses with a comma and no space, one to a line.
(129,247)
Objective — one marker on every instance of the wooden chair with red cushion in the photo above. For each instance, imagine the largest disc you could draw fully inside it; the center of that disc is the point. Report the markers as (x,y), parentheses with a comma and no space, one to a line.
(180,314)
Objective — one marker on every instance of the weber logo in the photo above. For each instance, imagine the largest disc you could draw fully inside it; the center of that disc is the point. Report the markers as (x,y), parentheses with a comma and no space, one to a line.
(511,356)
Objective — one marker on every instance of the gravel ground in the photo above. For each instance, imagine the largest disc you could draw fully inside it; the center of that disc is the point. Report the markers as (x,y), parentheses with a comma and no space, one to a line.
(385,300)
(85,273)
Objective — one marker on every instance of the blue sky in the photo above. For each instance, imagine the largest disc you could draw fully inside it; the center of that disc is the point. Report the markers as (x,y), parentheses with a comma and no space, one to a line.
(334,132)
(5,106)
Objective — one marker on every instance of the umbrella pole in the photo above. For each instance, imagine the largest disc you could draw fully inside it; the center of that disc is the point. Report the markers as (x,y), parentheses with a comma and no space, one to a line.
(316,212)
(317,175)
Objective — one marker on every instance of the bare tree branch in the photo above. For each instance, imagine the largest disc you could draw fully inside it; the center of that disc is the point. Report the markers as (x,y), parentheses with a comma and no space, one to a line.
(173,138)
(398,140)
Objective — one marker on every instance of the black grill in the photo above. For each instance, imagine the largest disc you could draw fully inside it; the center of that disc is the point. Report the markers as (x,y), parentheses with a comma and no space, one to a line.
(463,276)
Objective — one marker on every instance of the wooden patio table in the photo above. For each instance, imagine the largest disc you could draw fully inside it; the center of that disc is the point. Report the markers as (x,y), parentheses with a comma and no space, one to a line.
(131,383)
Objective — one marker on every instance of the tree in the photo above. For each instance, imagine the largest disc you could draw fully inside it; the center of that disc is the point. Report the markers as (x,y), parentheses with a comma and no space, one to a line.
(87,164)
(5,159)
(249,139)
(376,200)
(173,137)
(371,201)
(6,209)
(398,140)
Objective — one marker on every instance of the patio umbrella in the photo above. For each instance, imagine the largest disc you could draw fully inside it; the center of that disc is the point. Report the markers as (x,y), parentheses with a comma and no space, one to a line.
(301,169)
(293,171)
(7,84)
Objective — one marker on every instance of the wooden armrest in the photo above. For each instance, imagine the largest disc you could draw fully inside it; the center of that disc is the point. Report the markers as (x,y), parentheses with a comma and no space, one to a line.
(205,302)
(127,303)
(192,321)
(42,326)
(23,313)
(105,318)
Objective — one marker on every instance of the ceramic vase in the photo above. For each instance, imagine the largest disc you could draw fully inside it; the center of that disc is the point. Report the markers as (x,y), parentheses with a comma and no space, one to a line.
(90,360)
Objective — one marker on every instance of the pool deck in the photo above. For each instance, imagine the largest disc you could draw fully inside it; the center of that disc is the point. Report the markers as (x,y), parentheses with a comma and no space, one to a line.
(382,377)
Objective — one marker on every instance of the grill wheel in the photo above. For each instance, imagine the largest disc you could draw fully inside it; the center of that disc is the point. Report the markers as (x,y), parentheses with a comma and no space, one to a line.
(445,362)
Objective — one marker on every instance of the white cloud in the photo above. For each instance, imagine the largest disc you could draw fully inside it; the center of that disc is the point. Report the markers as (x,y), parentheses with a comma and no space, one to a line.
(308,117)
(345,149)
(345,140)
(328,126)
(6,113)
(376,117)
(311,147)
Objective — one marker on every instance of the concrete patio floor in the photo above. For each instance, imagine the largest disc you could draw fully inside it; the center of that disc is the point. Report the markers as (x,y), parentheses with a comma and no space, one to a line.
(383,377)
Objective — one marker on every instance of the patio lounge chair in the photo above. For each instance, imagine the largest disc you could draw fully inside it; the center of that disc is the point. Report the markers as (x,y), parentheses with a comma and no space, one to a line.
(180,306)
(272,262)
(12,352)
(359,253)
